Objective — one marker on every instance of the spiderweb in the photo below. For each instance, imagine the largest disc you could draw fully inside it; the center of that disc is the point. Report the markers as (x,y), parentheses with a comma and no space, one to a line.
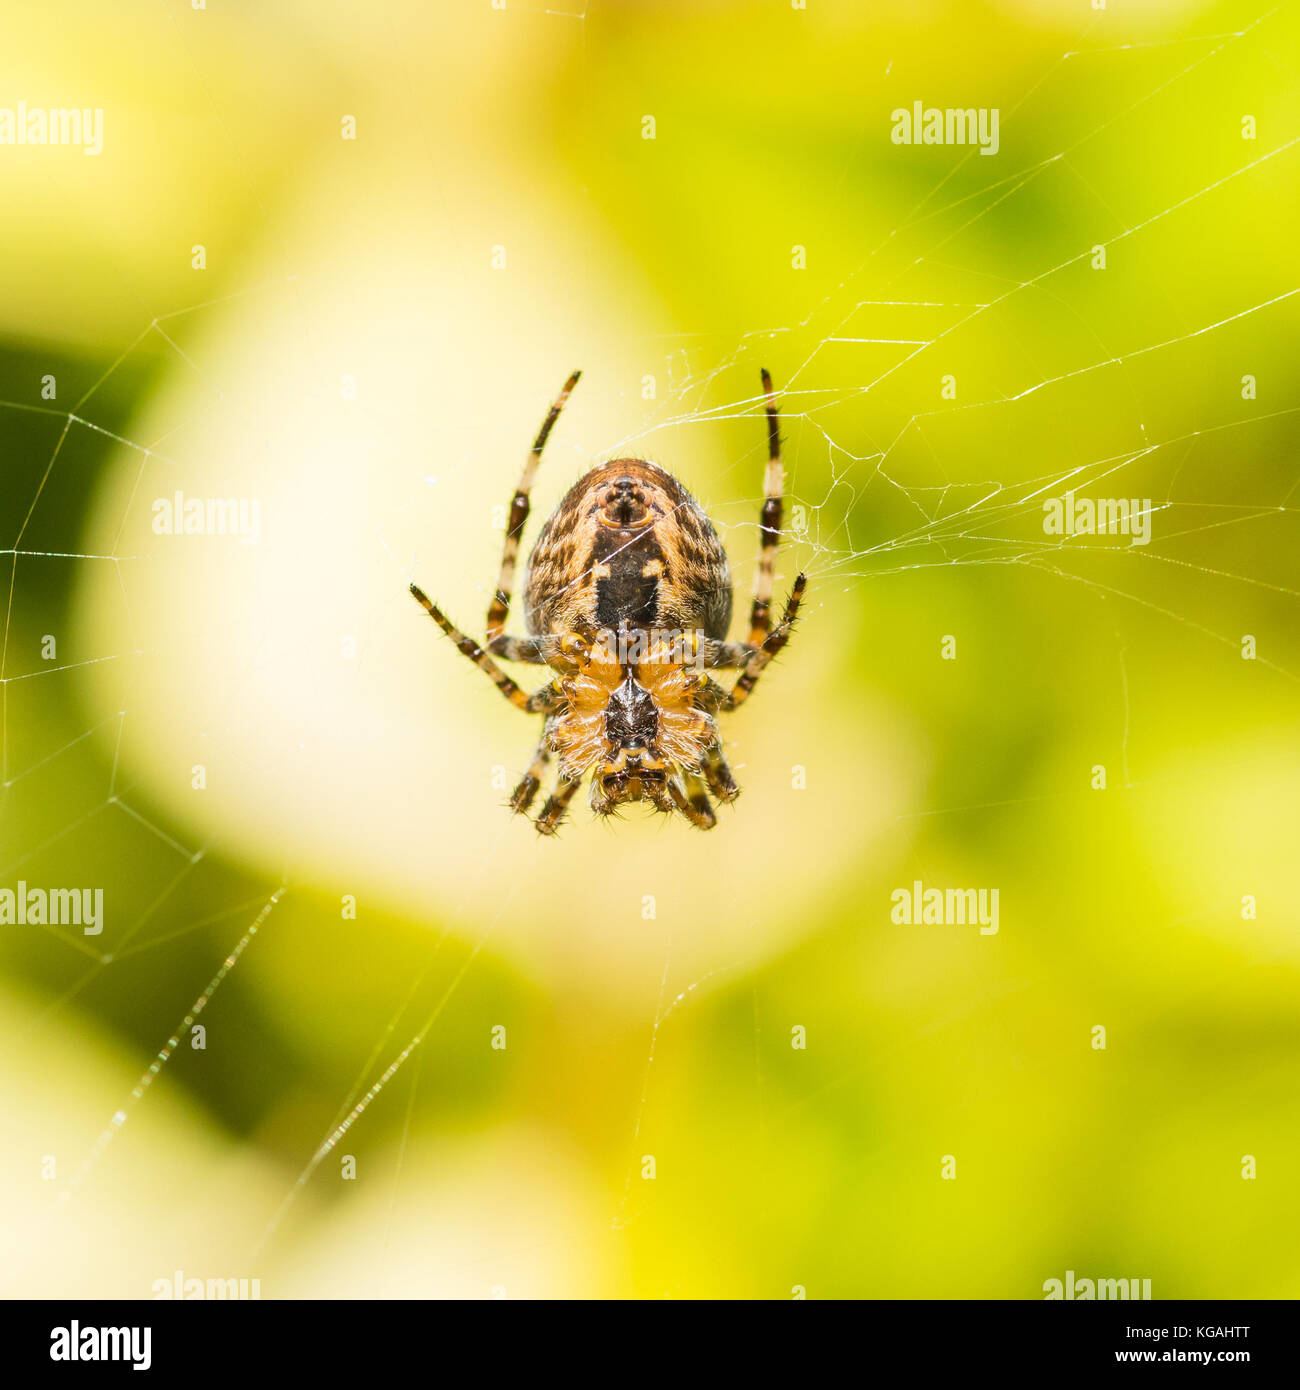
(933,399)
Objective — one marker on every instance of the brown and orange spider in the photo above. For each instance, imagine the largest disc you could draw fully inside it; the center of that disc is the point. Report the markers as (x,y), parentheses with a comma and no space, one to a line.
(628,600)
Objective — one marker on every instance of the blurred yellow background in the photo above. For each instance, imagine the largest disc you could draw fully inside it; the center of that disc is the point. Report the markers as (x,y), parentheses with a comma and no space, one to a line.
(337,260)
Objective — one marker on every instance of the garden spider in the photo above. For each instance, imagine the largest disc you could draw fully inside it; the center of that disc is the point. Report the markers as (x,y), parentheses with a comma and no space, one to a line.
(628,600)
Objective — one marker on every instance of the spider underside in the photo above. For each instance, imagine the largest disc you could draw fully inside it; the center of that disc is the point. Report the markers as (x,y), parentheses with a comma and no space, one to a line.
(628,601)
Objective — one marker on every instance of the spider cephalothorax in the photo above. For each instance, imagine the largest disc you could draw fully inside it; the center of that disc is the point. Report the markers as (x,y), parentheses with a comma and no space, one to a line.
(628,600)
(639,721)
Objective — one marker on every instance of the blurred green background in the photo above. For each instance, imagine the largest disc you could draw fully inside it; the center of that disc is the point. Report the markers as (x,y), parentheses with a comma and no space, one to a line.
(372,338)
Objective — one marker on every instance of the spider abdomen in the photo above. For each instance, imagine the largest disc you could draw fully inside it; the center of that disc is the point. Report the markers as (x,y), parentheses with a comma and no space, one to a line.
(628,548)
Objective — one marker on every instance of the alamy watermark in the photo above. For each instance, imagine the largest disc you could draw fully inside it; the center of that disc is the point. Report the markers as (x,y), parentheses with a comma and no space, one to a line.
(1102,1290)
(632,646)
(1098,516)
(53,907)
(934,125)
(950,907)
(178,1287)
(77,1343)
(179,515)
(38,125)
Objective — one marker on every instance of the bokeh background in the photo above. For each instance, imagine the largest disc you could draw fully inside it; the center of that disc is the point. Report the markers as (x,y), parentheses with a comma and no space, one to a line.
(365,345)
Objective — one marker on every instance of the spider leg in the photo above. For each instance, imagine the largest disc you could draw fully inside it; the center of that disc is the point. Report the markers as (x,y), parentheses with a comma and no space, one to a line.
(740,654)
(541,701)
(712,696)
(716,654)
(514,648)
(528,649)
(552,812)
(692,800)
(718,775)
(780,635)
(760,619)
(522,796)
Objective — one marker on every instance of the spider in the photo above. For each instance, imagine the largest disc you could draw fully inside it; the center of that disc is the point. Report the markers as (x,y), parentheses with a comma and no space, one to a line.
(628,601)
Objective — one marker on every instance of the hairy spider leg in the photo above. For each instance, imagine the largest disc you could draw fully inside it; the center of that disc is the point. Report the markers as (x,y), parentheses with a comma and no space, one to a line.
(762,641)
(760,618)
(780,635)
(718,775)
(522,796)
(520,648)
(541,701)
(552,813)
(691,799)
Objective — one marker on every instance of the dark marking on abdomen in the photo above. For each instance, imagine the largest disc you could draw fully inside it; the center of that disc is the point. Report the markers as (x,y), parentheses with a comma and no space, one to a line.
(627,596)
